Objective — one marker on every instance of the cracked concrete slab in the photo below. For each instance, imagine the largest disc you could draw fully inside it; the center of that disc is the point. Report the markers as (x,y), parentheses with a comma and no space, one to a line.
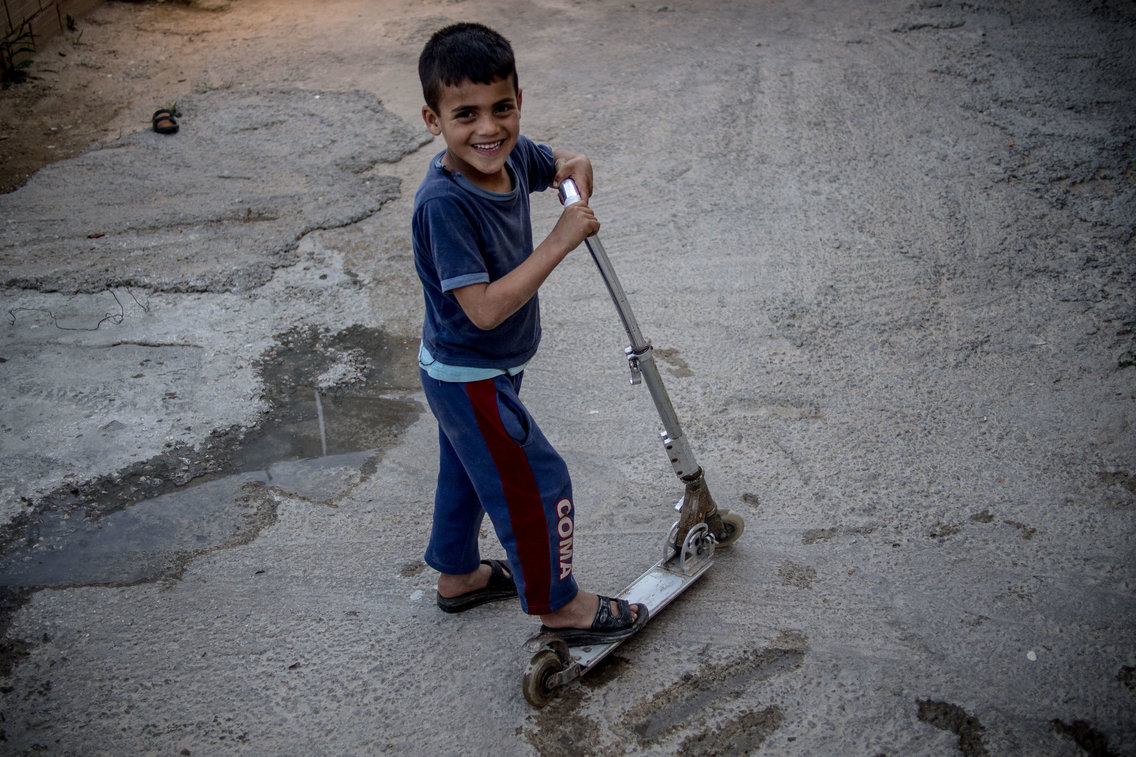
(134,270)
(216,206)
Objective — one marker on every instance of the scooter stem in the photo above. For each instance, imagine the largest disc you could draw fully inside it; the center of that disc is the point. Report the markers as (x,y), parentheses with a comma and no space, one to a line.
(640,355)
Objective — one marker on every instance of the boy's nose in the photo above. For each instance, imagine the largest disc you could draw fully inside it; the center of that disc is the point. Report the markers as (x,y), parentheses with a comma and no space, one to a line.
(486,125)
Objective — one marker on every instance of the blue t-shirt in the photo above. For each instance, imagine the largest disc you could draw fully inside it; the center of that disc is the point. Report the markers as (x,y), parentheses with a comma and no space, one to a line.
(465,235)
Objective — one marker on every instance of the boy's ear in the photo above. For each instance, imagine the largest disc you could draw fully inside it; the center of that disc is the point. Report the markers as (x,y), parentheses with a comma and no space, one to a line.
(433,123)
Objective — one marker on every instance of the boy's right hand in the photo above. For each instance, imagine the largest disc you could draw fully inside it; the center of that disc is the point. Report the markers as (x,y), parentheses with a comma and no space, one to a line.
(576,223)
(487,305)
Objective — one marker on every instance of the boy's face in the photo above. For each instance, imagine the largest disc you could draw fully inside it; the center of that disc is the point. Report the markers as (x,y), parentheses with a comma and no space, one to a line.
(480,123)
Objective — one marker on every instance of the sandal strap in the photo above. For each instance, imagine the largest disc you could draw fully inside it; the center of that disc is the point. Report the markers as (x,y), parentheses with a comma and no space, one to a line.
(498,578)
(605,621)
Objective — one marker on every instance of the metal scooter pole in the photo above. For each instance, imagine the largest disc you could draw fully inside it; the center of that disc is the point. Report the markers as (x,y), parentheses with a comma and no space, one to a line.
(697,505)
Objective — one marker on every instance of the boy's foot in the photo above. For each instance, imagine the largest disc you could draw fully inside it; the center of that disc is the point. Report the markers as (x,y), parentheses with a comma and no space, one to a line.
(491,581)
(592,619)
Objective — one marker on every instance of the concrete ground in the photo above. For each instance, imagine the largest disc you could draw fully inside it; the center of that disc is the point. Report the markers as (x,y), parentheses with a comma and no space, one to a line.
(884,251)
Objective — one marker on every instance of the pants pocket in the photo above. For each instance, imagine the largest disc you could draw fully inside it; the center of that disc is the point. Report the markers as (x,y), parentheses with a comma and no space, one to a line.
(514,417)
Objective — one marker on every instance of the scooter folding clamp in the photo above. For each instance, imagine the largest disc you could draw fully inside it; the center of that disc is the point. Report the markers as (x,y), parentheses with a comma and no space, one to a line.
(633,362)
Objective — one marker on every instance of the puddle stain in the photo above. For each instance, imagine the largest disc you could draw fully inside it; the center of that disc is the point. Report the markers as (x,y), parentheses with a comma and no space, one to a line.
(743,734)
(1127,676)
(413,568)
(797,575)
(355,381)
(1027,531)
(12,651)
(671,357)
(560,730)
(814,535)
(1118,477)
(943,531)
(952,718)
(688,701)
(155,539)
(336,402)
(1085,736)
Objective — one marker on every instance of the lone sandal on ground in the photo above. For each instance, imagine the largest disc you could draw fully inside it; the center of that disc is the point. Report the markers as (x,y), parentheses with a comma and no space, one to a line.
(164,121)
(500,586)
(605,626)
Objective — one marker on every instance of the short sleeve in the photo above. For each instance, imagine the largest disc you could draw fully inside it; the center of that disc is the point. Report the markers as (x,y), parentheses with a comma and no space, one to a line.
(539,164)
(454,245)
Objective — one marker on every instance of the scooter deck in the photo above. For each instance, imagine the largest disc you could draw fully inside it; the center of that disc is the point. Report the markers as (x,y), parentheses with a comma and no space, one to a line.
(655,589)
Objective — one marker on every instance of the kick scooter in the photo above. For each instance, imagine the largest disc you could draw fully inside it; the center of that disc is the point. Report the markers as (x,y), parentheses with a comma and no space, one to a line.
(688,550)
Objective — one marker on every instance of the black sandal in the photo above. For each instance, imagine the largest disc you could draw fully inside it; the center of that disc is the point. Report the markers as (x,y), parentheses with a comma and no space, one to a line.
(164,122)
(500,586)
(606,627)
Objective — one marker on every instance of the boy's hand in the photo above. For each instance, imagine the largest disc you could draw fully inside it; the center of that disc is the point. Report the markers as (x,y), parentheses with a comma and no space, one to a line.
(487,305)
(576,223)
(575,166)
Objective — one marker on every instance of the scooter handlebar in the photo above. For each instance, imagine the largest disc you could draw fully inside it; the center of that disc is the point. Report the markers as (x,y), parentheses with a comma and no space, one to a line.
(569,194)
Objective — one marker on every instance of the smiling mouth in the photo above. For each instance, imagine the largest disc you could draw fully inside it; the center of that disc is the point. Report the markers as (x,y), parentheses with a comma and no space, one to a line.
(489,147)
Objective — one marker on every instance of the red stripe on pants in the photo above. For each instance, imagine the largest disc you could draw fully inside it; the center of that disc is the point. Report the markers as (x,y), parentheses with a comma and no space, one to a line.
(522,496)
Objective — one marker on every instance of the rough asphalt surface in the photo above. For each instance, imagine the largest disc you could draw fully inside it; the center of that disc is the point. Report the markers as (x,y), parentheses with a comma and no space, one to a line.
(885,252)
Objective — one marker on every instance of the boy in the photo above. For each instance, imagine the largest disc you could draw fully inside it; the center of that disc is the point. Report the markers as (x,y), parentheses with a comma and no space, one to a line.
(480,274)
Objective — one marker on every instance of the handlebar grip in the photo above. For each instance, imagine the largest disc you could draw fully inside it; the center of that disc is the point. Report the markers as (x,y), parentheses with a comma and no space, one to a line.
(569,194)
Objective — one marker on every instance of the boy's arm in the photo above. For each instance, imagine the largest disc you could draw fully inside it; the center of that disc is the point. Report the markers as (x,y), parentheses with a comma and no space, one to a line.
(574,165)
(488,305)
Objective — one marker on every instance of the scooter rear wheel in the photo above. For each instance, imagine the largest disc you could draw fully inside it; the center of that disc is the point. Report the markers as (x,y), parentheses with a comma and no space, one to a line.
(542,666)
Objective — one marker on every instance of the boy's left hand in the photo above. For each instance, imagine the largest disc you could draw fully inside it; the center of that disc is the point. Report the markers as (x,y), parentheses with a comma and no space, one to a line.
(577,167)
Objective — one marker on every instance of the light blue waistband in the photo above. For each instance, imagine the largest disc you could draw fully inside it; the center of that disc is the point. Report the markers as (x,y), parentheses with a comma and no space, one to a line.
(459,373)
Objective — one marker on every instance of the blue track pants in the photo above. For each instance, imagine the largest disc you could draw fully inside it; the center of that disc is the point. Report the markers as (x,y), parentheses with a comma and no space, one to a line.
(495,460)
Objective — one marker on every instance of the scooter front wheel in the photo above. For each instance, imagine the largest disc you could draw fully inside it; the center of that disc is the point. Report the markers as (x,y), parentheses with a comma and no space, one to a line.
(733,527)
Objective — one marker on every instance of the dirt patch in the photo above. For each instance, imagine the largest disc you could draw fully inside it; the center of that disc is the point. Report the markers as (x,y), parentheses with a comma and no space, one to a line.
(79,82)
(951,717)
(699,696)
